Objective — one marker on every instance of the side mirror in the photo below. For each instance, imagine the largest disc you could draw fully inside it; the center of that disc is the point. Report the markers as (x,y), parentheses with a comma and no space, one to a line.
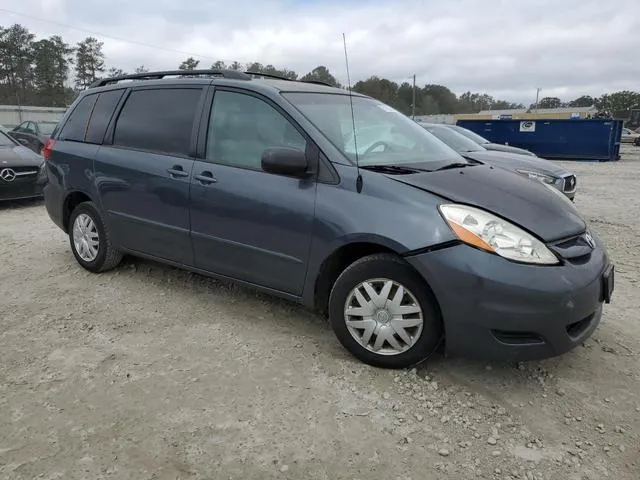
(285,161)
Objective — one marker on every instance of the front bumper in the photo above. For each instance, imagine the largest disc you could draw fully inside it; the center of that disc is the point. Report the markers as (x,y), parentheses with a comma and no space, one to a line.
(496,309)
(18,190)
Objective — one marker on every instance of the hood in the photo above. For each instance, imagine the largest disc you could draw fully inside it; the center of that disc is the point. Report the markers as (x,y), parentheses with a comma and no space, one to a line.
(507,148)
(526,203)
(19,157)
(513,161)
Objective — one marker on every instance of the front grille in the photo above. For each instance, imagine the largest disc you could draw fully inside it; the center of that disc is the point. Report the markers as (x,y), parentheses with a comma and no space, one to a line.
(569,183)
(517,338)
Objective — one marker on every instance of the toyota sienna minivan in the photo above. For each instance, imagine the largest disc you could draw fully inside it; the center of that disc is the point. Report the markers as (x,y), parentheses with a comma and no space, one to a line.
(403,244)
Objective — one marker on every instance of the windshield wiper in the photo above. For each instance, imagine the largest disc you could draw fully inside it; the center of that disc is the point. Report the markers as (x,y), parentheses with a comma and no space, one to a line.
(398,169)
(453,165)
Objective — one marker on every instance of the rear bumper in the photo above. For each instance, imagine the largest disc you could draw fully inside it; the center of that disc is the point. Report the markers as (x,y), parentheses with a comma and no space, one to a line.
(500,310)
(53,201)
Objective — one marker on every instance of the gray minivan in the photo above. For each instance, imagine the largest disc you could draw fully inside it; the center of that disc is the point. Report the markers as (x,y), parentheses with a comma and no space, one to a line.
(404,244)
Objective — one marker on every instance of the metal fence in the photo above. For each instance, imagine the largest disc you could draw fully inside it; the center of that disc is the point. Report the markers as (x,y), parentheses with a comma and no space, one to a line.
(12,115)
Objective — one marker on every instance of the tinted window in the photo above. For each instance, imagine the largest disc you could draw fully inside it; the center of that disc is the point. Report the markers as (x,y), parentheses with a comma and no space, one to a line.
(76,126)
(101,115)
(158,120)
(242,127)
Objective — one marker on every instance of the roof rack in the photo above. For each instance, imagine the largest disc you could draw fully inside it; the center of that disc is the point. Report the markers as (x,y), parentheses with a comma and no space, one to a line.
(234,74)
(279,77)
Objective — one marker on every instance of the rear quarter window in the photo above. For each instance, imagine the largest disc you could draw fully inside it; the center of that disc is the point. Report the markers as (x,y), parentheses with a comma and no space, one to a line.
(158,120)
(102,112)
(75,127)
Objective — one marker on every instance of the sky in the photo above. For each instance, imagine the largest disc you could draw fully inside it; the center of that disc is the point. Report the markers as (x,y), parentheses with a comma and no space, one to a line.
(506,48)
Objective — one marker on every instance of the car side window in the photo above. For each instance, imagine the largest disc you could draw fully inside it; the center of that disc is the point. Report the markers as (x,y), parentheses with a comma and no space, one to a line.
(75,127)
(242,127)
(158,120)
(102,112)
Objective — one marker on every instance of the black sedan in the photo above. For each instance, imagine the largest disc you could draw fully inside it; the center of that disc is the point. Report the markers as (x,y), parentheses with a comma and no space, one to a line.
(22,172)
(535,168)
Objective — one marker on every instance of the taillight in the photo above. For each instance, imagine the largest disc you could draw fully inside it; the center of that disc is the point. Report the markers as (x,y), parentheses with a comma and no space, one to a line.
(48,148)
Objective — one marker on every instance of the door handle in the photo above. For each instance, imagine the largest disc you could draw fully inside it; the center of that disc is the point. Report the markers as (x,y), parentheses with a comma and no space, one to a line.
(205,178)
(177,171)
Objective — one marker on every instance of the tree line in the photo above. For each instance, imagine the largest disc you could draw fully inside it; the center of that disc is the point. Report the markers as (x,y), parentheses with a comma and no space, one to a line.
(51,72)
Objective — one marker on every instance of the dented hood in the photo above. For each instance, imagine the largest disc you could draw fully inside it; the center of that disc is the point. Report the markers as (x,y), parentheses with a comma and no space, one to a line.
(527,203)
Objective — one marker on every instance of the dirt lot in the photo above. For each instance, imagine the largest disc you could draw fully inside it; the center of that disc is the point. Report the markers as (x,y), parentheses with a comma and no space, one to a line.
(152,373)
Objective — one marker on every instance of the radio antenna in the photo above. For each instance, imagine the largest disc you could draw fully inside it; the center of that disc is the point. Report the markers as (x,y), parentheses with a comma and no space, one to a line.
(353,118)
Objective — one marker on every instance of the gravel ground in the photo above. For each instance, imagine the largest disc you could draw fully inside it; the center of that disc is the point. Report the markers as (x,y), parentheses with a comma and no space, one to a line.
(148,372)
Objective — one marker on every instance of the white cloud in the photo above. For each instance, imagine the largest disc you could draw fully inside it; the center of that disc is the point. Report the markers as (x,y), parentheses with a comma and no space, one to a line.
(505,48)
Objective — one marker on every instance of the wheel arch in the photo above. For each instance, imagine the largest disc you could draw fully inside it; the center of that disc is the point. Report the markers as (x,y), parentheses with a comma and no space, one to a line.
(71,201)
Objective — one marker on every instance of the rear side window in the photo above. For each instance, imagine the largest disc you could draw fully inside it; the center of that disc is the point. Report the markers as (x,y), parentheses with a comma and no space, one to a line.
(76,126)
(158,121)
(101,115)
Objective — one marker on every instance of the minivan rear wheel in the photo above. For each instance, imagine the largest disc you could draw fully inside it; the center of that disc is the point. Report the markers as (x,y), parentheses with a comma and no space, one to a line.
(90,240)
(384,313)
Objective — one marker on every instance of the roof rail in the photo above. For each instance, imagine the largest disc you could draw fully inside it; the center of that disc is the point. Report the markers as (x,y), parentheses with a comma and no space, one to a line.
(234,74)
(279,77)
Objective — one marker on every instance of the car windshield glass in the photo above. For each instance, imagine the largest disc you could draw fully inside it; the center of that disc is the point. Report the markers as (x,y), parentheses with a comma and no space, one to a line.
(458,142)
(383,135)
(470,135)
(47,128)
(5,140)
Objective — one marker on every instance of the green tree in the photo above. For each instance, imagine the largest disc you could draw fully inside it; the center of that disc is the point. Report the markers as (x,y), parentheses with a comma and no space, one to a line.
(52,61)
(583,101)
(257,67)
(115,72)
(321,74)
(618,103)
(16,64)
(380,88)
(236,66)
(445,98)
(141,69)
(89,62)
(219,64)
(189,64)
(548,102)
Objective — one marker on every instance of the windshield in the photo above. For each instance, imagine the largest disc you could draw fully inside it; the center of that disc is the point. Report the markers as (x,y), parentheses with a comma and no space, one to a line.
(5,140)
(47,128)
(384,136)
(469,134)
(455,140)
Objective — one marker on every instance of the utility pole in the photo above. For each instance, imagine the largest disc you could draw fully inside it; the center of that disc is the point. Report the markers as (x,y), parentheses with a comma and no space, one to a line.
(537,95)
(413,104)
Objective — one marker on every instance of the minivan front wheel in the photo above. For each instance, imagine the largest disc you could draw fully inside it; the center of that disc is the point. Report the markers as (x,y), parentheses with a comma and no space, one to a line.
(90,240)
(382,311)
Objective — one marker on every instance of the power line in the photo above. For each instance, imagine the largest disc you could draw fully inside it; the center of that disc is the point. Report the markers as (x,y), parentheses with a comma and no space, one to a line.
(97,34)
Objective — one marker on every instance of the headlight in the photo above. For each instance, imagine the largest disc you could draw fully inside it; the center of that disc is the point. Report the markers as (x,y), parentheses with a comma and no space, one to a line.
(541,177)
(484,230)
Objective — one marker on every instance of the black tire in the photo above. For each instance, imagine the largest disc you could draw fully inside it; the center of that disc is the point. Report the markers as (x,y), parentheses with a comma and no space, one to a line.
(393,268)
(108,257)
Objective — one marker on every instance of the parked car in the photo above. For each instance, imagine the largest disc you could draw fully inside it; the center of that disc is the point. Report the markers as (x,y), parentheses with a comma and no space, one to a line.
(22,173)
(33,134)
(490,145)
(629,136)
(404,245)
(534,168)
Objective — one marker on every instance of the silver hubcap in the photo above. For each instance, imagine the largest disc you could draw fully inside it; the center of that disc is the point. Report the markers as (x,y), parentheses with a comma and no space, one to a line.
(383,316)
(85,237)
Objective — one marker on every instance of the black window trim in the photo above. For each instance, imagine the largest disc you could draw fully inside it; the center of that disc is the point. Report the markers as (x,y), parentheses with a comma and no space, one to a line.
(320,171)
(101,142)
(65,121)
(110,131)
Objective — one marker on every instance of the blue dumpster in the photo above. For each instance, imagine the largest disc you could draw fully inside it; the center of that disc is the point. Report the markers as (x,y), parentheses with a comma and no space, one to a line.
(569,139)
